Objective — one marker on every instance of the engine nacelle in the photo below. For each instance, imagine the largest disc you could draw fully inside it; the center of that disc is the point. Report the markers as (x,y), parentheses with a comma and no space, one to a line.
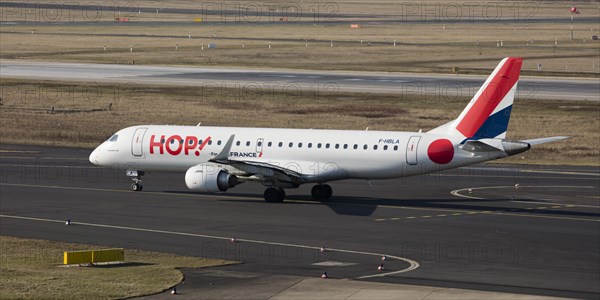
(209,178)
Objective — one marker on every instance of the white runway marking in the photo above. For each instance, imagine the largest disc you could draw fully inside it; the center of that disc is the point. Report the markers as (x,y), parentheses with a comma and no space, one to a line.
(459,191)
(412,264)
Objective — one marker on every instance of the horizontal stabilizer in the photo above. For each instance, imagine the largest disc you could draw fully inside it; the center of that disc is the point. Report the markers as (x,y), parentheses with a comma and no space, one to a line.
(479,146)
(545,140)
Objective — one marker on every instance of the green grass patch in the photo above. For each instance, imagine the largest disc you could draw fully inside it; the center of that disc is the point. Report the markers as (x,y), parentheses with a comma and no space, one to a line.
(31,269)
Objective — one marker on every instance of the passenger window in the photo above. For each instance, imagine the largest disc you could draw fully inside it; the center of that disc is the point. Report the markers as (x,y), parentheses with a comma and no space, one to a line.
(319,145)
(114,138)
(365,147)
(181,142)
(327,146)
(210,142)
(237,143)
(248,143)
(162,141)
(299,145)
(337,146)
(200,142)
(280,144)
(219,142)
(385,147)
(270,144)
(355,146)
(375,147)
(345,146)
(259,144)
(309,145)
(395,148)
(291,145)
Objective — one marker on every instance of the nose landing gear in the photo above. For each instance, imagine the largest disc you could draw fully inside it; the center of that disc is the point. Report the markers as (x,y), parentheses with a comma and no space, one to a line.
(136,186)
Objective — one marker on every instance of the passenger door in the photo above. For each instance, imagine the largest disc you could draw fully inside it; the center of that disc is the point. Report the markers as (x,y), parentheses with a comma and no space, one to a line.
(137,141)
(411,150)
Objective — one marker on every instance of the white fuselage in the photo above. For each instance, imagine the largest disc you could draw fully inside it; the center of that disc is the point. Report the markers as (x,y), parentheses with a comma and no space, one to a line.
(322,155)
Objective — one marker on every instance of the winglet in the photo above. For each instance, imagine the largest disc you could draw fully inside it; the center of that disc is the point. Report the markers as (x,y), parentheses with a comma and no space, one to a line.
(223,156)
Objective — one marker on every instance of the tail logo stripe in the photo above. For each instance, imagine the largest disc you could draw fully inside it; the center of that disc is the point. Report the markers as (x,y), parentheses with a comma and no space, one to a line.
(490,97)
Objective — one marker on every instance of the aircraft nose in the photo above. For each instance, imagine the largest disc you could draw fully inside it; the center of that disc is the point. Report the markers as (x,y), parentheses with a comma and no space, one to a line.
(95,157)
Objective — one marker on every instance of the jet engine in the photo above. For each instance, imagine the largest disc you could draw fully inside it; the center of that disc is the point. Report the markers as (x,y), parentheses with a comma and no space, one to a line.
(209,178)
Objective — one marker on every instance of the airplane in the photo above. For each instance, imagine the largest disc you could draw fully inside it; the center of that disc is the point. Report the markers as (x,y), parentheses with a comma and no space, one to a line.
(216,159)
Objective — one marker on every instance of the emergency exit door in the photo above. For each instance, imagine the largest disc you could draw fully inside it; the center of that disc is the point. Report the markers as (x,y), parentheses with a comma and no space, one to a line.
(411,150)
(259,145)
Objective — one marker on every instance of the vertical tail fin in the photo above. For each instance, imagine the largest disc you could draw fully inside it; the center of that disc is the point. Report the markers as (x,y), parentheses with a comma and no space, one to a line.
(487,115)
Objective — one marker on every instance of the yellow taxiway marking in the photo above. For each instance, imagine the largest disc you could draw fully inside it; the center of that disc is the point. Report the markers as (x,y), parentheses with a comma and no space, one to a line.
(224,198)
(557,204)
(116,191)
(47,158)
(412,264)
(219,197)
(585,196)
(561,172)
(19,151)
(503,212)
(458,193)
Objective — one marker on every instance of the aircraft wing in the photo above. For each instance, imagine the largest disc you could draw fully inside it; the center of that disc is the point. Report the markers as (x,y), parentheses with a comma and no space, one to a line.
(296,172)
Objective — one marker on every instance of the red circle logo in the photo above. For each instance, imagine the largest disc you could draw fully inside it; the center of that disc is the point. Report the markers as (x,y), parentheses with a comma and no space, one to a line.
(441,151)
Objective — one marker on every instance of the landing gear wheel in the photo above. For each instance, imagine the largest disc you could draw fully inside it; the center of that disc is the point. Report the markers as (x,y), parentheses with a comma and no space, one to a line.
(136,187)
(137,179)
(274,195)
(321,192)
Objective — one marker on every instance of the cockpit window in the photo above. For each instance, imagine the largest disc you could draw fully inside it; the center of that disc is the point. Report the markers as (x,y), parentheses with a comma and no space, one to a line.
(113,138)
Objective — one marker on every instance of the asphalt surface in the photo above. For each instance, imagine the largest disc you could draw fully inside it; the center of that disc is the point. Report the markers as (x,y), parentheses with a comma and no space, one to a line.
(541,237)
(437,85)
(271,12)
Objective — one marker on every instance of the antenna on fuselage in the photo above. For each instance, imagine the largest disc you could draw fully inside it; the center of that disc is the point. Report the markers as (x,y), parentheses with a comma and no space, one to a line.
(367,129)
(199,124)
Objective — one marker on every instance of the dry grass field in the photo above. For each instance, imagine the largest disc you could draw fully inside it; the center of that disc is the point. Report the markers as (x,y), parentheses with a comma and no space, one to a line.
(436,46)
(453,36)
(30,269)
(82,118)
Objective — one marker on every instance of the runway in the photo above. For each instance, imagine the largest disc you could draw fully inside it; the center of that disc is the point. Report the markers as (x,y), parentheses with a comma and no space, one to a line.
(470,228)
(421,85)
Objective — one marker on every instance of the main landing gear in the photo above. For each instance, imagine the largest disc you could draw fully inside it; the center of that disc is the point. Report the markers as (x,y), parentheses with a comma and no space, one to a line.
(321,192)
(136,186)
(274,194)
